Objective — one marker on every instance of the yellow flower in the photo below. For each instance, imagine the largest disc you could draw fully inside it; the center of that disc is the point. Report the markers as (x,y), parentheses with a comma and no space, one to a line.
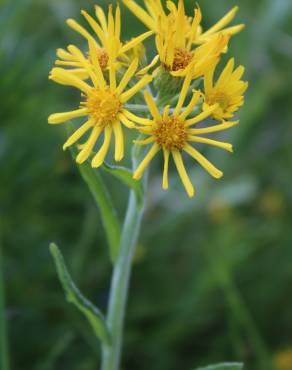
(174,40)
(173,132)
(227,92)
(103,105)
(108,47)
(155,13)
(176,52)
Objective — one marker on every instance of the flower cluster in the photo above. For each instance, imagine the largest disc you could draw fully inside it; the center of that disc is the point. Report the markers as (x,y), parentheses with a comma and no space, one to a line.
(183,98)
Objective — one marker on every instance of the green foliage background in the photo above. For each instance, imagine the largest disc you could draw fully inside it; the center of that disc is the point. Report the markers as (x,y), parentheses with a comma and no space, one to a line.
(212,276)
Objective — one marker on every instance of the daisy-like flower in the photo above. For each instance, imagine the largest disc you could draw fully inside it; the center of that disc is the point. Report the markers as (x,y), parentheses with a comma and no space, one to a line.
(227,92)
(173,133)
(103,105)
(107,46)
(155,13)
(174,43)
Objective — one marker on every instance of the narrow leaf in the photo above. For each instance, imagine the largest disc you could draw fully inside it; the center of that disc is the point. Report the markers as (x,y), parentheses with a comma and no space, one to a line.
(126,176)
(74,296)
(224,366)
(105,205)
(108,213)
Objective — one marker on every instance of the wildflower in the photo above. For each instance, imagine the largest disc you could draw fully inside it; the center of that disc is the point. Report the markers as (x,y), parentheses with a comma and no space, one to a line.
(103,104)
(174,40)
(227,92)
(173,132)
(108,47)
(155,13)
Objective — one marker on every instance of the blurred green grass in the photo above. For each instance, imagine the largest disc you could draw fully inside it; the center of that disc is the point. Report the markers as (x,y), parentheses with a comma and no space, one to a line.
(212,279)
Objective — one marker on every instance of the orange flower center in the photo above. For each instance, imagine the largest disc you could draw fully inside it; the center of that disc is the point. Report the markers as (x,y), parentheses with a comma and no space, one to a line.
(103,58)
(103,106)
(171,133)
(182,59)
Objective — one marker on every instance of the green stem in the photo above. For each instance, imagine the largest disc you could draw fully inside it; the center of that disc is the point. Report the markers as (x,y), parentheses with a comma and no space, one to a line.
(4,361)
(120,282)
(140,108)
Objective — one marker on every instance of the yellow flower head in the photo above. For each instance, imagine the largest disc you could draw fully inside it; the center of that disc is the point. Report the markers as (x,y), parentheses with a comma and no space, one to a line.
(175,49)
(173,132)
(227,92)
(106,47)
(155,13)
(103,105)
(175,35)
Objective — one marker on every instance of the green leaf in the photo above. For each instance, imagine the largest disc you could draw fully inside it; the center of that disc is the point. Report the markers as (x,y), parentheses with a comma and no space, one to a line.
(224,366)
(126,176)
(108,213)
(103,200)
(74,296)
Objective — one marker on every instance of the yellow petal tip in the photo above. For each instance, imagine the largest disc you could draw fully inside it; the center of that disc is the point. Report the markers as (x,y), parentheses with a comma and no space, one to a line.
(136,177)
(191,193)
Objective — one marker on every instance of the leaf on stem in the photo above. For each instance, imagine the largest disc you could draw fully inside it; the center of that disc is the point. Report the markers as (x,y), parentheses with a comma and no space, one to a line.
(126,176)
(107,210)
(104,202)
(74,296)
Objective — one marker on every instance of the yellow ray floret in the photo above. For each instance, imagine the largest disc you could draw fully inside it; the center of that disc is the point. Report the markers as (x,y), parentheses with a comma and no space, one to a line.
(155,14)
(219,27)
(175,38)
(227,91)
(103,107)
(173,133)
(104,42)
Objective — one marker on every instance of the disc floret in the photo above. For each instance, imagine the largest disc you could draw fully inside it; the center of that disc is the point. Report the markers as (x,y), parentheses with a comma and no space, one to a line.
(170,133)
(182,58)
(103,58)
(103,106)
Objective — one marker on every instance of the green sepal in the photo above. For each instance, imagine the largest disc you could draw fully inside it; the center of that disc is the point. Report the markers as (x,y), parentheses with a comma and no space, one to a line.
(167,85)
(126,176)
(74,296)
(224,366)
